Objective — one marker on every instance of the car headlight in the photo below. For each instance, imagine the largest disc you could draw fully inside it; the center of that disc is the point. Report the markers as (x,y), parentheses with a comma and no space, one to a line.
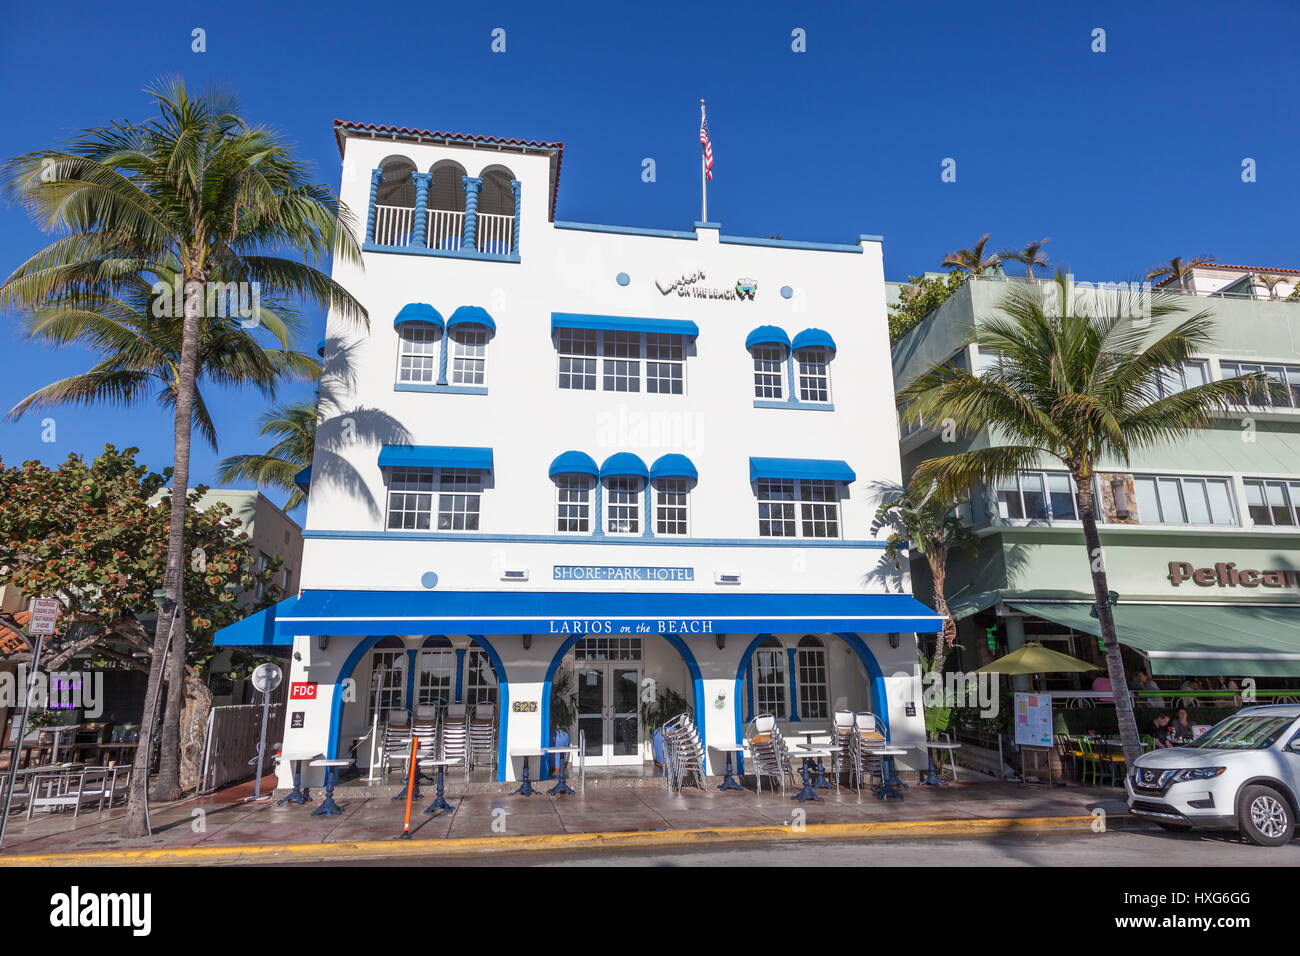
(1197,773)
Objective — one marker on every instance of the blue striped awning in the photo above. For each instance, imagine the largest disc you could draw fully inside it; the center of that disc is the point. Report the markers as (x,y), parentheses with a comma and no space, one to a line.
(813,338)
(556,612)
(673,466)
(257,630)
(624,323)
(303,479)
(435,456)
(622,464)
(418,312)
(472,315)
(767,335)
(815,468)
(573,463)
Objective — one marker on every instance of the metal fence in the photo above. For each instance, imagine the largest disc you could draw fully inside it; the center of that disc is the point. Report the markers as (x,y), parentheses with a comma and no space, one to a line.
(230,749)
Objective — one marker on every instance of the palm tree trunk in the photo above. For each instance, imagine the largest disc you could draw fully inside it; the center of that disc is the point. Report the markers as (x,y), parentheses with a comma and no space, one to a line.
(1128,730)
(946,638)
(171,619)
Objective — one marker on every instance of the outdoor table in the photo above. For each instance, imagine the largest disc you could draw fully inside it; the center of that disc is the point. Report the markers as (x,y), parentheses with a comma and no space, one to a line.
(439,804)
(728,781)
(932,778)
(888,776)
(328,807)
(807,792)
(561,783)
(526,787)
(297,795)
(821,783)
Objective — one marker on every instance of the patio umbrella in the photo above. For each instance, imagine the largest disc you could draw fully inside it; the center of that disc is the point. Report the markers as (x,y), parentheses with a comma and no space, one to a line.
(1034,658)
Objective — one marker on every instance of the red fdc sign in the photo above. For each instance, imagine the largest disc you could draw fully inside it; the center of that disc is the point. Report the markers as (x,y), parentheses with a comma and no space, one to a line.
(302,690)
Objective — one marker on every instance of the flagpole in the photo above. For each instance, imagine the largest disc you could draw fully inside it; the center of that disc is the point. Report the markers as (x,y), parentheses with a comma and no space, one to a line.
(704,187)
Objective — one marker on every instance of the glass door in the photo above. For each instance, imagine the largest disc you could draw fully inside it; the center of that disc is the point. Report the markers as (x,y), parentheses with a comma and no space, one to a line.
(591,710)
(608,712)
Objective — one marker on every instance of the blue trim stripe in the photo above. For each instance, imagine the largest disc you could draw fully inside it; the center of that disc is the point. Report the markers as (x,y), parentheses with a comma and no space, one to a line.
(625,230)
(257,630)
(813,468)
(435,456)
(623,323)
(594,538)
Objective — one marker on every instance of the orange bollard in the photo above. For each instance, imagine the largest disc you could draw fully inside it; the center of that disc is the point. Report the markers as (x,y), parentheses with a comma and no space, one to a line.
(412,775)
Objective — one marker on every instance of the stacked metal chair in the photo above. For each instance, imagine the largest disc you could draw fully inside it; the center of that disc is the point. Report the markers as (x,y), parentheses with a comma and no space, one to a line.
(842,737)
(396,747)
(482,735)
(455,735)
(684,752)
(868,734)
(424,727)
(768,753)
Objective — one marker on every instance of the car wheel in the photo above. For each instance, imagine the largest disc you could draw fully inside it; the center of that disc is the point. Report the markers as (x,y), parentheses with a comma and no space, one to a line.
(1173,827)
(1265,817)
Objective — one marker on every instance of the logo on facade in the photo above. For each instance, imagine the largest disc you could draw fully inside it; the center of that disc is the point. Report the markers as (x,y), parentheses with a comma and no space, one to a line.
(688,286)
(1228,575)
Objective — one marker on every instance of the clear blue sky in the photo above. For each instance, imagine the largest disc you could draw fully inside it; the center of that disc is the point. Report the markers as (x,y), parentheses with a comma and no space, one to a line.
(1124,158)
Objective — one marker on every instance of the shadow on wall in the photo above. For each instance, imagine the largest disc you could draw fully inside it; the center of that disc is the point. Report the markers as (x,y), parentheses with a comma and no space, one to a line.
(887,574)
(338,428)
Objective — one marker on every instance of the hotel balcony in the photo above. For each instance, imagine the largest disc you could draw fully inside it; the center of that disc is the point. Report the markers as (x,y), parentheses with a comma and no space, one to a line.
(444,230)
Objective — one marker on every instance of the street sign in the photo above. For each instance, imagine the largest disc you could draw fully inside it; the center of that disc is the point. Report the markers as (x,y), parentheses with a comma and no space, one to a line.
(45,615)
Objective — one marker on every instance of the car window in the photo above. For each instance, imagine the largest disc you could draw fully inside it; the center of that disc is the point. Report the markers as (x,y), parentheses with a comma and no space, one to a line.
(1244,733)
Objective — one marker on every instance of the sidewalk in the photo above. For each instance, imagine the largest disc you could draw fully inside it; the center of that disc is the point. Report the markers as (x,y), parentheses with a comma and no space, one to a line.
(221,828)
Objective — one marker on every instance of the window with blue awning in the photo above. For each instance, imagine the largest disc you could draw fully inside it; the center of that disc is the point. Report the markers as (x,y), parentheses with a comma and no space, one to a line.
(435,456)
(624,323)
(573,463)
(812,468)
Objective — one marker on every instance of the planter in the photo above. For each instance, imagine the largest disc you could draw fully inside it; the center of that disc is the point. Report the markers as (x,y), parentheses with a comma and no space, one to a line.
(657,743)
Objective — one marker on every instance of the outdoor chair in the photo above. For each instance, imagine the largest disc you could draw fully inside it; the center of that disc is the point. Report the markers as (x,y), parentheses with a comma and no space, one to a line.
(455,735)
(397,740)
(1068,751)
(483,736)
(842,737)
(684,752)
(1090,760)
(767,751)
(868,734)
(424,728)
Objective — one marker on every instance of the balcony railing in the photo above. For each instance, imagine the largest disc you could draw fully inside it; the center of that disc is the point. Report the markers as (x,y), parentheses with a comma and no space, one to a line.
(444,230)
(393,225)
(493,234)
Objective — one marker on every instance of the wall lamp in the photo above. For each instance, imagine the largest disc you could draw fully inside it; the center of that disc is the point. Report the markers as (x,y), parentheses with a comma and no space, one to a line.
(721,641)
(322,642)
(528,641)
(894,641)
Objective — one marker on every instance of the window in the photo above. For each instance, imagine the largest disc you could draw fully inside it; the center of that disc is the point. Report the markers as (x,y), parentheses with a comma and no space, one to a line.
(810,670)
(817,514)
(573,504)
(410,498)
(1273,502)
(1287,394)
(665,363)
(417,358)
(1174,500)
(435,667)
(469,357)
(607,649)
(670,505)
(623,507)
(1038,496)
(814,375)
(769,679)
(480,681)
(986,359)
(577,358)
(387,681)
(769,372)
(1188,376)
(652,362)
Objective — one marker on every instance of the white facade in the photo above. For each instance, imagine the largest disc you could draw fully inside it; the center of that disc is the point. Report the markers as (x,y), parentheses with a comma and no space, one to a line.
(613,276)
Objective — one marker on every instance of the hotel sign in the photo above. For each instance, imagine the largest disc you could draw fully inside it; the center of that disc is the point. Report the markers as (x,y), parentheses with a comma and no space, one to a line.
(687,286)
(1228,575)
(611,572)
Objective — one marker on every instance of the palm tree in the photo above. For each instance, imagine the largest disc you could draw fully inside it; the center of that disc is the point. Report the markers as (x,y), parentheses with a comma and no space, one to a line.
(295,425)
(971,260)
(1030,256)
(927,523)
(191,197)
(1175,270)
(1077,382)
(1271,282)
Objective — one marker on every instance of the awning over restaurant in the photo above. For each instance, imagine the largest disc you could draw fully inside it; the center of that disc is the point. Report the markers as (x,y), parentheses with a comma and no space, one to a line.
(575,612)
(813,468)
(257,630)
(435,456)
(1195,639)
(623,323)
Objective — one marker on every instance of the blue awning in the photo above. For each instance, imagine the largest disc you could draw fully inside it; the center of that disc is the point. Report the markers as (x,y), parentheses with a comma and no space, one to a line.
(472,315)
(624,323)
(257,630)
(816,468)
(574,463)
(303,479)
(767,335)
(624,463)
(559,612)
(813,338)
(435,456)
(418,312)
(673,466)
(320,347)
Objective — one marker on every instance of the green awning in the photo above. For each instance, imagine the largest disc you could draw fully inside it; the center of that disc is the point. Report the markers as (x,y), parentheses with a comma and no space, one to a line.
(967,605)
(1195,640)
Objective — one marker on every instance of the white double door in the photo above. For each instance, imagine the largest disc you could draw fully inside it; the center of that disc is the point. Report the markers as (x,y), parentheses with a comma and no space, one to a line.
(608,692)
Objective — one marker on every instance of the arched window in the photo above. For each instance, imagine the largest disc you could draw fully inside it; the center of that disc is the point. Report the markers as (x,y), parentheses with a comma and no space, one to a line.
(768,668)
(445,218)
(813,350)
(434,672)
(814,689)
(387,678)
(480,681)
(494,230)
(395,202)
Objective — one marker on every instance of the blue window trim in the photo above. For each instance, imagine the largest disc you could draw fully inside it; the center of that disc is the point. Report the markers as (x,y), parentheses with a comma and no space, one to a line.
(444,389)
(805,406)
(442,253)
(596,538)
(625,230)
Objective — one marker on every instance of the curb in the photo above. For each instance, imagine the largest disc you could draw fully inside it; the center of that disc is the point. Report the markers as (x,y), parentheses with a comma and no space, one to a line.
(553,843)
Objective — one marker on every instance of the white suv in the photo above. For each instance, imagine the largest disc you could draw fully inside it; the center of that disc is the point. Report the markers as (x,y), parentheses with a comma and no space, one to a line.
(1242,774)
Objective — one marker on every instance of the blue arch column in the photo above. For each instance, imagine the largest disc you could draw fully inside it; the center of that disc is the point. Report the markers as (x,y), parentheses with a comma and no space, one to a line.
(418,226)
(515,187)
(412,656)
(376,177)
(794,685)
(472,186)
(460,674)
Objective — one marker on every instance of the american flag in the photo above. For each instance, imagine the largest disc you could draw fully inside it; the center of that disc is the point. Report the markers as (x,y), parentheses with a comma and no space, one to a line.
(706,143)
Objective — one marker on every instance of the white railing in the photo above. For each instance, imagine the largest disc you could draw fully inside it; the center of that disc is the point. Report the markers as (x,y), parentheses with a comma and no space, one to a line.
(494,233)
(393,225)
(445,229)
